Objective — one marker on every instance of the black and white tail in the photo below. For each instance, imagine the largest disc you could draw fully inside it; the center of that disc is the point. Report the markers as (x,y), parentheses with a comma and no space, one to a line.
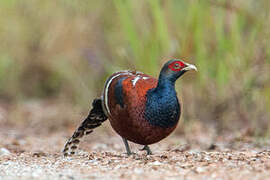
(94,119)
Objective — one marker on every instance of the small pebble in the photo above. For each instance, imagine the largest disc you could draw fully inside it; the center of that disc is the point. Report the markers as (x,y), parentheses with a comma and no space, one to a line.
(4,151)
(156,163)
(200,170)
(138,170)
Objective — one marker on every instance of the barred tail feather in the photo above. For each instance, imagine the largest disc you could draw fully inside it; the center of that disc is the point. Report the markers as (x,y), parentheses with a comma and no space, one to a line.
(94,119)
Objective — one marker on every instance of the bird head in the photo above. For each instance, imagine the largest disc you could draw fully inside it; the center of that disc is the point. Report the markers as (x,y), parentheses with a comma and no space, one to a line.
(175,68)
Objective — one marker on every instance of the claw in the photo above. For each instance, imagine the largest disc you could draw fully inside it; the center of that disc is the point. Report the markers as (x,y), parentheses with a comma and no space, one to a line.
(147,149)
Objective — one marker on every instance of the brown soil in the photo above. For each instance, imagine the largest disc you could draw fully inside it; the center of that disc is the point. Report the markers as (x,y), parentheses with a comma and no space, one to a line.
(101,156)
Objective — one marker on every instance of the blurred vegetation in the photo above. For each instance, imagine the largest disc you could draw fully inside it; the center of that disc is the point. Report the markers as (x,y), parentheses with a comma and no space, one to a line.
(66,49)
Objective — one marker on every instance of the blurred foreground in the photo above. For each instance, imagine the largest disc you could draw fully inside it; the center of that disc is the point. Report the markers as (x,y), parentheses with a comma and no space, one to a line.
(25,154)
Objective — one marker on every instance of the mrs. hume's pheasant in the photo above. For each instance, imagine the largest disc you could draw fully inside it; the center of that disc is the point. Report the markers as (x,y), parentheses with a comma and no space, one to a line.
(141,109)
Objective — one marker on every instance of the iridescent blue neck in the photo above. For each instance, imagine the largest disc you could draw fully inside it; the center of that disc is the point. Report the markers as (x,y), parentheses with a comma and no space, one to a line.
(165,82)
(162,106)
(168,78)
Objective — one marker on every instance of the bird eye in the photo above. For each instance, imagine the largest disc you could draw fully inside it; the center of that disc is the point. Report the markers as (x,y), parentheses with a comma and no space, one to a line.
(177,66)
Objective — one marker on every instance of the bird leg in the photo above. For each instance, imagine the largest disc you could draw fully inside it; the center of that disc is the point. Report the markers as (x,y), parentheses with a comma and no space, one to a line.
(147,149)
(127,146)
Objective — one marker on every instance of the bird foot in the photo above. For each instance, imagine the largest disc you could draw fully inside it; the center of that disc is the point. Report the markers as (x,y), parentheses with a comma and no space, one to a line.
(147,149)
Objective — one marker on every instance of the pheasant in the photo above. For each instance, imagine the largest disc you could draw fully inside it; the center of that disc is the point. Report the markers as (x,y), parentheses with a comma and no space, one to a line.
(140,108)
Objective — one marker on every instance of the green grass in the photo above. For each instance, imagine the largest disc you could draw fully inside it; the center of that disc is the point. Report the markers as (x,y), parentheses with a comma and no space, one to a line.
(67,49)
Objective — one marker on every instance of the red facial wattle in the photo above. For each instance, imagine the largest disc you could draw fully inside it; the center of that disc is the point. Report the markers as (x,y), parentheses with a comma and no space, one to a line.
(177,66)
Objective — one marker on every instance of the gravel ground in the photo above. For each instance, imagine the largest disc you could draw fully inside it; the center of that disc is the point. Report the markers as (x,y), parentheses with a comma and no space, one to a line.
(38,156)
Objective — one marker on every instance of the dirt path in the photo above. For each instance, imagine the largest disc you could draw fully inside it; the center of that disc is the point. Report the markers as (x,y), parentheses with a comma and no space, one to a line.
(102,157)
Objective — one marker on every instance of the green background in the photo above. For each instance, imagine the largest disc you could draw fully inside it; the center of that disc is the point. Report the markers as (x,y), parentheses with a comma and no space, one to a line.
(61,52)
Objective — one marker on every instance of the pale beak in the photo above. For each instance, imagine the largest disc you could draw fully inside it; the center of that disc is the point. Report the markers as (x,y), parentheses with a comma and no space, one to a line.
(189,67)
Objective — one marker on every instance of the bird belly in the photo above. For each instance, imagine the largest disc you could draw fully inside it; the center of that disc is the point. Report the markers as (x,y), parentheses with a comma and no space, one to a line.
(138,130)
